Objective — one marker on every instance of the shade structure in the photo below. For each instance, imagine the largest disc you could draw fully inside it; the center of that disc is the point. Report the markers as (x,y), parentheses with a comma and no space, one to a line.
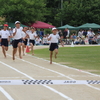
(67,26)
(39,24)
(89,25)
(13,25)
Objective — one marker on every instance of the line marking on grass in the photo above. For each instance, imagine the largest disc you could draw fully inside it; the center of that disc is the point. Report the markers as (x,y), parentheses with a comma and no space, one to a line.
(6,94)
(52,71)
(61,94)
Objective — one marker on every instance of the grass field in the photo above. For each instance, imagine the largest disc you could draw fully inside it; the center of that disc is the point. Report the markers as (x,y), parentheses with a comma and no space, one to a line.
(85,58)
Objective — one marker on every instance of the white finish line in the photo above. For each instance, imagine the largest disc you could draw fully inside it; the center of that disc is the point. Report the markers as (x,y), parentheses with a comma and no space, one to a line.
(48,82)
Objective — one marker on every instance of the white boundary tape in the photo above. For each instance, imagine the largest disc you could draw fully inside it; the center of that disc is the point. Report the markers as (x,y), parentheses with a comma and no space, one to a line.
(48,82)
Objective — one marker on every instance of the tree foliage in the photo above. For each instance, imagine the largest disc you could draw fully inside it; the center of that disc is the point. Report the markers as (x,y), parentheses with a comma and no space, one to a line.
(23,10)
(73,12)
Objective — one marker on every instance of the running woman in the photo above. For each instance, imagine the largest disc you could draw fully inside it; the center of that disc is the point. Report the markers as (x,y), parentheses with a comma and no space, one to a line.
(24,39)
(5,37)
(53,38)
(32,36)
(17,39)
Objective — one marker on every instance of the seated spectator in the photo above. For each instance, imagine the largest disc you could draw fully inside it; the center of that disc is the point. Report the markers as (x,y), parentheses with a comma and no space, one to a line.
(86,40)
(94,39)
(98,39)
(77,40)
(45,40)
(82,40)
(38,40)
(90,35)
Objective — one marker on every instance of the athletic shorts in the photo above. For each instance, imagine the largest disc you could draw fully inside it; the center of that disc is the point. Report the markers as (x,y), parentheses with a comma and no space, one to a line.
(15,43)
(25,42)
(53,46)
(32,41)
(4,42)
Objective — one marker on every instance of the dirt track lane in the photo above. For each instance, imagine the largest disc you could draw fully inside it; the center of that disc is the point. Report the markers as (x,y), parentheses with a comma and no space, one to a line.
(39,69)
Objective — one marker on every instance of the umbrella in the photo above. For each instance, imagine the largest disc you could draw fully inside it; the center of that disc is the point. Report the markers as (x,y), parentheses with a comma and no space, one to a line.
(89,25)
(39,24)
(66,26)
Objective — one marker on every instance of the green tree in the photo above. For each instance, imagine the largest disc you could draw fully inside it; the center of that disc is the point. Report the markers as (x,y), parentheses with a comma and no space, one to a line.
(24,10)
(77,12)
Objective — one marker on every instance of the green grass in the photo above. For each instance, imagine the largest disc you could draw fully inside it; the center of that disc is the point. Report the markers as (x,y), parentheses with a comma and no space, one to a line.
(85,58)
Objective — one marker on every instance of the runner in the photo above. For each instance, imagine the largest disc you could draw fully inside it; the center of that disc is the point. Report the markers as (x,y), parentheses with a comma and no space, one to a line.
(5,37)
(24,39)
(32,36)
(17,39)
(53,38)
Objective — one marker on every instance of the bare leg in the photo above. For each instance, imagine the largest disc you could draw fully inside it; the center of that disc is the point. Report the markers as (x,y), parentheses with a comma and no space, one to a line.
(19,46)
(51,53)
(3,50)
(6,48)
(56,52)
(14,52)
(32,48)
(23,46)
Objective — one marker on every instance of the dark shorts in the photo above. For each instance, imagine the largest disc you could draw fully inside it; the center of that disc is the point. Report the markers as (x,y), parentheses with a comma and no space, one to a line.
(4,42)
(25,42)
(32,41)
(53,46)
(15,43)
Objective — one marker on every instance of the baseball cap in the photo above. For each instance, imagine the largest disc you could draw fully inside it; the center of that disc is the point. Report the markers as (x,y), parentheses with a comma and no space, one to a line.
(17,22)
(6,25)
(54,28)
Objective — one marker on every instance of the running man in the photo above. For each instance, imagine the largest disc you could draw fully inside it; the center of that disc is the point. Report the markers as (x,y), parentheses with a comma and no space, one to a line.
(24,39)
(17,39)
(5,37)
(54,39)
(32,36)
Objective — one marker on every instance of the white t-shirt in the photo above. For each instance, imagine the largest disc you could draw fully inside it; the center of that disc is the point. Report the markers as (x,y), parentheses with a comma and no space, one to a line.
(32,35)
(18,33)
(4,34)
(38,40)
(54,38)
(45,40)
(23,34)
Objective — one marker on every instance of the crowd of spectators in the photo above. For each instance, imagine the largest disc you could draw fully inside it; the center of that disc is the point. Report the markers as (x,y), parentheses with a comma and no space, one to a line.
(82,37)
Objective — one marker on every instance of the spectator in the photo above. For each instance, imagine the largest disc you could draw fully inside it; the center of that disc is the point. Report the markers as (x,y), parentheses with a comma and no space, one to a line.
(80,33)
(85,33)
(77,40)
(65,33)
(82,40)
(98,38)
(86,40)
(38,40)
(90,35)
(45,40)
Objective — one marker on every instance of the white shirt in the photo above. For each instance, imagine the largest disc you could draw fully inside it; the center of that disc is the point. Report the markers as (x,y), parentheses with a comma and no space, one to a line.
(32,35)
(45,40)
(18,33)
(54,38)
(80,33)
(89,34)
(38,40)
(23,34)
(4,34)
